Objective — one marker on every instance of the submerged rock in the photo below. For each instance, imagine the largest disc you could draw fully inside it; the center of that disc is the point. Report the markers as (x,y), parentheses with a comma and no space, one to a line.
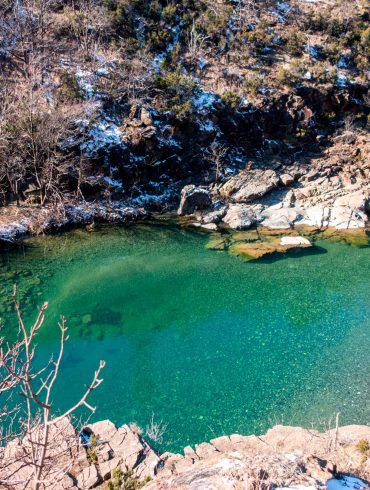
(256,250)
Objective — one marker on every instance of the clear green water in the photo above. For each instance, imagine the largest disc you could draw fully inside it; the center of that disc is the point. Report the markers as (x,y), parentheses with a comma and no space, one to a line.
(205,341)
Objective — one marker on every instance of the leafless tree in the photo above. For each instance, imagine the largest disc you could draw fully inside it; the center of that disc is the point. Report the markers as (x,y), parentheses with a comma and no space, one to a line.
(87,21)
(349,127)
(156,430)
(31,134)
(46,442)
(216,153)
(196,43)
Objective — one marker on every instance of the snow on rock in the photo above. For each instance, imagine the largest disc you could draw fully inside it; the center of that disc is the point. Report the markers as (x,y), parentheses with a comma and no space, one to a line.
(202,63)
(283,6)
(343,62)
(208,127)
(102,72)
(342,80)
(113,182)
(204,101)
(313,52)
(11,231)
(347,482)
(102,136)
(84,80)
(278,15)
(154,200)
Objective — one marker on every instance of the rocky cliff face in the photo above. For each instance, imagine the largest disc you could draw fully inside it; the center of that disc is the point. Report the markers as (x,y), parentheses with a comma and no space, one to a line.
(262,174)
(285,457)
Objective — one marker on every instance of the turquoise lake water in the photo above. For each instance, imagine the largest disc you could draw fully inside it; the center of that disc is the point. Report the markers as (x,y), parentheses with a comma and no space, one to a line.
(206,342)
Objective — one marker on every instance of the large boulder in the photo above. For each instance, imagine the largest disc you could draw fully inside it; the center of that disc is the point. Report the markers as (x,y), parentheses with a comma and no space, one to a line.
(192,199)
(249,185)
(279,219)
(239,217)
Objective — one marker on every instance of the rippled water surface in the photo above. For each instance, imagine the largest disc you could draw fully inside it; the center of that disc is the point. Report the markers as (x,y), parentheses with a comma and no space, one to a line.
(208,343)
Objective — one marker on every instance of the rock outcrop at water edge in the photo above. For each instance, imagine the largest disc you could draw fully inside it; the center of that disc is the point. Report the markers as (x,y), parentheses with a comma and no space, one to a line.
(285,457)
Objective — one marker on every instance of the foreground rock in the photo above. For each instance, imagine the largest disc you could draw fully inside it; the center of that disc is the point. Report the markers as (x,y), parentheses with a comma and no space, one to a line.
(285,457)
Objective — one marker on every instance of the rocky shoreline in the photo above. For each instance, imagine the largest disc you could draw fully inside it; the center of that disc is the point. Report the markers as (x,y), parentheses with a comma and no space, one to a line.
(18,222)
(285,457)
(330,193)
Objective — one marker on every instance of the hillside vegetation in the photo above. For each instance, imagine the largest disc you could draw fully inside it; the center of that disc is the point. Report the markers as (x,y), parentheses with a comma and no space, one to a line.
(130,99)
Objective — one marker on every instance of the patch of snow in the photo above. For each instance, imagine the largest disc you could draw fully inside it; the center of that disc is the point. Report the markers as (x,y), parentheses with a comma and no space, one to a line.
(313,52)
(283,6)
(158,60)
(84,82)
(207,127)
(12,230)
(113,182)
(230,171)
(348,482)
(202,63)
(167,141)
(151,199)
(64,62)
(204,101)
(278,15)
(342,80)
(343,62)
(102,136)
(102,72)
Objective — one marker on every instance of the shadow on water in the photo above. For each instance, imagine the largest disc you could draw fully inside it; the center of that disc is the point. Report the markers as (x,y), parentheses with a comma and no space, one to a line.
(294,253)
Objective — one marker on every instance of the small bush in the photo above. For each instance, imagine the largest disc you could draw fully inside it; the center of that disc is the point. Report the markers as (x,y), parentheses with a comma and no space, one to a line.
(69,90)
(363,446)
(253,84)
(159,40)
(91,453)
(260,37)
(231,99)
(336,28)
(315,23)
(286,77)
(176,92)
(124,481)
(295,43)
(169,14)
(333,52)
